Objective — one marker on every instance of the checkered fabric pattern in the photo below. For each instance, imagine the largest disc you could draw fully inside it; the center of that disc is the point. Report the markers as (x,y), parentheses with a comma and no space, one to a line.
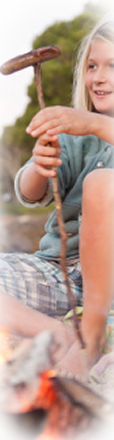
(39,283)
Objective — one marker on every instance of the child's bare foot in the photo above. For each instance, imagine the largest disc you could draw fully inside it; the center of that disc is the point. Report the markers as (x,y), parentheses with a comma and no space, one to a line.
(74,362)
(78,361)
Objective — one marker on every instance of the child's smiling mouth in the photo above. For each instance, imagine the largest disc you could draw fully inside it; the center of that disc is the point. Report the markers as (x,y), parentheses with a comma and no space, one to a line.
(102,93)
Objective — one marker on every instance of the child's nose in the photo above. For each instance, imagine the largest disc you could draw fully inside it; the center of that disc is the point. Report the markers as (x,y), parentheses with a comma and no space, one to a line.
(99,76)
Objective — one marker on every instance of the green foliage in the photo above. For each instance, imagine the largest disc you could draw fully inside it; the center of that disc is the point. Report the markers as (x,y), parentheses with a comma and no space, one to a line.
(7,136)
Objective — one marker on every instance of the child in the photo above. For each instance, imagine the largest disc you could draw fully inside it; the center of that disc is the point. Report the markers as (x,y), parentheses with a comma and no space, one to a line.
(82,140)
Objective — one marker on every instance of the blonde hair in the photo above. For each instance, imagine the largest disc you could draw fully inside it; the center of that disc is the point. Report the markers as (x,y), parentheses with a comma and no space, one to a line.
(103,30)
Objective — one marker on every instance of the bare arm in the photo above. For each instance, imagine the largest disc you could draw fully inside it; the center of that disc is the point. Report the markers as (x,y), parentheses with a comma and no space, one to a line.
(33,180)
(32,184)
(104,128)
(59,119)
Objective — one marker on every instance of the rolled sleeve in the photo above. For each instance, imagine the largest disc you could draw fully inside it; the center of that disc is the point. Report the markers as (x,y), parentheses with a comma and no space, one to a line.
(45,201)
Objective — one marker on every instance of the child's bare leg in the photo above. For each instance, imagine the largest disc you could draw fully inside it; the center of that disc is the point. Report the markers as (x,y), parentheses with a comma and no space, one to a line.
(16,317)
(97,257)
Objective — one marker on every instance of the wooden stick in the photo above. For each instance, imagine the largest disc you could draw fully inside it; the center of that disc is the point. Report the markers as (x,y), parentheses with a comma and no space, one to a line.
(38,79)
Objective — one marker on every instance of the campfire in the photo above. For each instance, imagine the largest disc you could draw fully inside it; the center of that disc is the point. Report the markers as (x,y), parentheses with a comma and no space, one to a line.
(29,381)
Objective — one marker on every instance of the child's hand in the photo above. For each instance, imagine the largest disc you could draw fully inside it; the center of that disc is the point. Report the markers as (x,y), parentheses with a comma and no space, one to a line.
(46,156)
(58,119)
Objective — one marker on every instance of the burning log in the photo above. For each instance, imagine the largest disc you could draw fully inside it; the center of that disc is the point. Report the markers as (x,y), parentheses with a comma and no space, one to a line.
(29,381)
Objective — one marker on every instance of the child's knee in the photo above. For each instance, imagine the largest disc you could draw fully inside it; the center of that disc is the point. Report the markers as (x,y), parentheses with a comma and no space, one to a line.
(98,190)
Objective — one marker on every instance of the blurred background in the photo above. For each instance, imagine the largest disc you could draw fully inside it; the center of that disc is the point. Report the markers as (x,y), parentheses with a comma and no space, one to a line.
(26,25)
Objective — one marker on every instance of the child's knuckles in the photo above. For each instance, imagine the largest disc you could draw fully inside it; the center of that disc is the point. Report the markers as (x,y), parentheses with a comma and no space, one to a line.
(43,171)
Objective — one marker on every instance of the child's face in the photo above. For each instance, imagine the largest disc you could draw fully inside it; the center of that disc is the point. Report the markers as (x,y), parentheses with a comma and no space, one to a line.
(100,76)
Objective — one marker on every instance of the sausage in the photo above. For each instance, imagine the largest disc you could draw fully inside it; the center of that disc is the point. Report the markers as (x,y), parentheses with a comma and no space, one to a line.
(31,58)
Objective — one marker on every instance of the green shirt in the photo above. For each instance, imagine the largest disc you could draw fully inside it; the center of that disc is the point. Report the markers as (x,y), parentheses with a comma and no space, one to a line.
(80,155)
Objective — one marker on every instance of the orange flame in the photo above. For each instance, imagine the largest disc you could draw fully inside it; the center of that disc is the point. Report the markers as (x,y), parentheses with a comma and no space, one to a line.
(48,394)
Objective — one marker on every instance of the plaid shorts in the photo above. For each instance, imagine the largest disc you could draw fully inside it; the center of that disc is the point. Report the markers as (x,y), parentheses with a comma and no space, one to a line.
(39,283)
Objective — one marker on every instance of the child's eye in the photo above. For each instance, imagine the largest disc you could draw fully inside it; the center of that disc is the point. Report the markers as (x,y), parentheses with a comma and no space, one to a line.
(91,66)
(112,65)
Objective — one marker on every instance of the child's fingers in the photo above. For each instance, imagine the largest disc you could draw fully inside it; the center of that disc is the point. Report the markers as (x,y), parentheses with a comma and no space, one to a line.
(46,166)
(45,148)
(37,130)
(46,151)
(47,161)
(60,128)
(53,120)
(45,172)
(46,156)
(47,119)
(45,139)
(42,117)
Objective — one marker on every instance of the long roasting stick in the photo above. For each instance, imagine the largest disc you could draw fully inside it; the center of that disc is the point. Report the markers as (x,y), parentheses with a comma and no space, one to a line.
(38,78)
